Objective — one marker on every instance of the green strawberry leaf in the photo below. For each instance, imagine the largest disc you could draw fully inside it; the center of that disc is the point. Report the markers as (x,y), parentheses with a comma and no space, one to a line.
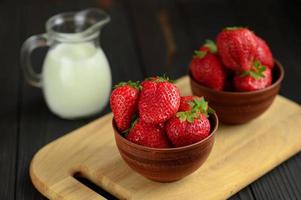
(245,73)
(254,75)
(191,103)
(182,116)
(256,70)
(190,118)
(133,84)
(203,105)
(198,106)
(256,63)
(210,110)
(200,54)
(211,45)
(163,78)
(231,28)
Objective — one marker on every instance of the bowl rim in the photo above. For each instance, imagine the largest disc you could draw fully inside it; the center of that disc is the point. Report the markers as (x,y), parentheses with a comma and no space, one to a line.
(275,84)
(172,149)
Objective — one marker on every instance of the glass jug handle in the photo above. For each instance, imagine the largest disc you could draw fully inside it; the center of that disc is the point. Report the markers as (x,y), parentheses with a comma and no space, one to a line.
(36,41)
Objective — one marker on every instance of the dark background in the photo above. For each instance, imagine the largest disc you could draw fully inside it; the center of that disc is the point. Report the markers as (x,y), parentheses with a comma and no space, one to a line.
(144,38)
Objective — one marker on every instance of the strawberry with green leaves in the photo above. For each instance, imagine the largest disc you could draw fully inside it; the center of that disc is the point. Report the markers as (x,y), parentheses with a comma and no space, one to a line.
(190,126)
(124,103)
(185,103)
(258,77)
(159,100)
(237,47)
(206,67)
(194,102)
(149,135)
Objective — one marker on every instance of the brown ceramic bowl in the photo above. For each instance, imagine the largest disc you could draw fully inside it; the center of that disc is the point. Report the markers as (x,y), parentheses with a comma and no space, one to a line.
(166,165)
(240,107)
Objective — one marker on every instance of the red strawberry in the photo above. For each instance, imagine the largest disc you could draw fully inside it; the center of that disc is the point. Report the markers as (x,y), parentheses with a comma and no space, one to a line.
(159,100)
(264,54)
(124,103)
(148,135)
(190,126)
(237,47)
(182,132)
(206,68)
(257,78)
(186,102)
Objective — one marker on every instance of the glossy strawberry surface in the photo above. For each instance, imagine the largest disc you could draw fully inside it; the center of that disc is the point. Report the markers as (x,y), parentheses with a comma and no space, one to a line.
(263,53)
(124,104)
(159,100)
(148,135)
(249,83)
(237,47)
(208,70)
(182,133)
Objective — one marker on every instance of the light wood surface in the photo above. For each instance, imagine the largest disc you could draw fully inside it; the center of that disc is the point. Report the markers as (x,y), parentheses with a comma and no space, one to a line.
(241,154)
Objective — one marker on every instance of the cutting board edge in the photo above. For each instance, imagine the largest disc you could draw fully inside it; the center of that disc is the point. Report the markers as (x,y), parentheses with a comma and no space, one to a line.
(47,191)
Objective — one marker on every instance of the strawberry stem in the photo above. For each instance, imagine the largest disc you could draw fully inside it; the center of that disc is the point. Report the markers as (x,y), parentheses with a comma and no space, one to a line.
(163,78)
(198,106)
(189,116)
(231,28)
(200,54)
(256,70)
(211,45)
(133,84)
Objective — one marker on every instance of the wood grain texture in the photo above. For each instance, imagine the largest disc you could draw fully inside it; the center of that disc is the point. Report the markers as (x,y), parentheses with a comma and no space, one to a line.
(37,125)
(91,151)
(164,46)
(9,108)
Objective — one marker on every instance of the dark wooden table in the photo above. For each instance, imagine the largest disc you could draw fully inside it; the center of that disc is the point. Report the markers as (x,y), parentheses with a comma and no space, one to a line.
(144,38)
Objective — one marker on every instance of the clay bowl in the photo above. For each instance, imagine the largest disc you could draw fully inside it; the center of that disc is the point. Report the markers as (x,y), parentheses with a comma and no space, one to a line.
(166,165)
(240,107)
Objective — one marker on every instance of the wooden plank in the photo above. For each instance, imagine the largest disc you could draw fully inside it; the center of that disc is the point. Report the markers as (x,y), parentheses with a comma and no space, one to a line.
(38,126)
(35,118)
(163,44)
(250,148)
(281,183)
(9,87)
(245,194)
(204,19)
(279,31)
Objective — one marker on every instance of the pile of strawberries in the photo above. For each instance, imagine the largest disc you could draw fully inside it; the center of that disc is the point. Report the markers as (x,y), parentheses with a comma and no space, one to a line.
(154,114)
(240,61)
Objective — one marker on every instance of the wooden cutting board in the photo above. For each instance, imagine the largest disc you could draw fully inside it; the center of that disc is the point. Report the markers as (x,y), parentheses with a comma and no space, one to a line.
(241,154)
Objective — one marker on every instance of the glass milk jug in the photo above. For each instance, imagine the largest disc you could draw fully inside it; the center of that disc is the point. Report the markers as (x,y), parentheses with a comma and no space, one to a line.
(76,77)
